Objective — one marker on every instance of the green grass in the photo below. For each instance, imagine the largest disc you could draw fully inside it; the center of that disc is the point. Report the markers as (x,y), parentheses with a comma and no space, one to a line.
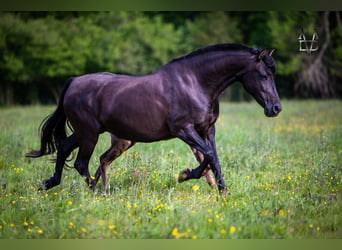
(284,174)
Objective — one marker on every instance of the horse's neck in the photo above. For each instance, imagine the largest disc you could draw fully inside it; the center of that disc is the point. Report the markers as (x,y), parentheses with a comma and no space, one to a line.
(218,72)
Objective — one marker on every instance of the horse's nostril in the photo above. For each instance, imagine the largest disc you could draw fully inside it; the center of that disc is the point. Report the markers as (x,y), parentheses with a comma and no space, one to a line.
(276,108)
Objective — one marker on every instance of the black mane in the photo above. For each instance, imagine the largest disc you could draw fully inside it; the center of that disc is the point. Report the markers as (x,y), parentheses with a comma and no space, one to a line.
(218,47)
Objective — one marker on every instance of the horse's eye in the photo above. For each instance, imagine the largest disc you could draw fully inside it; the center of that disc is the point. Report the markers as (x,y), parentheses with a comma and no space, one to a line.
(262,77)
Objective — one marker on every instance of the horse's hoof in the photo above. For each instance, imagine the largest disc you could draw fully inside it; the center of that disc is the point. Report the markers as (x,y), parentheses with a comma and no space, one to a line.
(225,192)
(47,184)
(184,175)
(92,185)
(44,185)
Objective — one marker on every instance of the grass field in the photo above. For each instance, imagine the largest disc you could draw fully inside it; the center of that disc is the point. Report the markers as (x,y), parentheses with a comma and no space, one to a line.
(284,174)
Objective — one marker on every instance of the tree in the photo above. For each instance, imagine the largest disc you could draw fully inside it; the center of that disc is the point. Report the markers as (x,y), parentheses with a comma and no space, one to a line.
(211,28)
(311,74)
(14,36)
(40,50)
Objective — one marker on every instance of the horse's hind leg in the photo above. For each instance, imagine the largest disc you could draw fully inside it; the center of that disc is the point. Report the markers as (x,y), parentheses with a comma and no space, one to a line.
(117,147)
(64,149)
(87,145)
(200,157)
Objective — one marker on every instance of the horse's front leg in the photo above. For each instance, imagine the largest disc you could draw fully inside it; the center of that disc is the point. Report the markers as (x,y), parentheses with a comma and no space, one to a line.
(190,136)
(216,167)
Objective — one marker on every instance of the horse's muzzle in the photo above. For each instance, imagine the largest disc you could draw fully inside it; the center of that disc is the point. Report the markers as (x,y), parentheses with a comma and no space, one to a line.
(273,110)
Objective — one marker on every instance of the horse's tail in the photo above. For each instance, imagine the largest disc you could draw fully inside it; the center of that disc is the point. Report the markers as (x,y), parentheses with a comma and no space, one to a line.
(53,128)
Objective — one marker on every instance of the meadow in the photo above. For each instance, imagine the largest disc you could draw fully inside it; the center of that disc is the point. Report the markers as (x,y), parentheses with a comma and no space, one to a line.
(284,175)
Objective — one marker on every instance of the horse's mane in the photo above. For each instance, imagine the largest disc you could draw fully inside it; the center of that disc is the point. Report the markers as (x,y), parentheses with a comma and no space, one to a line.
(216,48)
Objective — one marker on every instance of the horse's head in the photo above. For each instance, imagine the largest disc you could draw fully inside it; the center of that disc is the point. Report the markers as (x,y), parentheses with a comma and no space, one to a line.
(259,82)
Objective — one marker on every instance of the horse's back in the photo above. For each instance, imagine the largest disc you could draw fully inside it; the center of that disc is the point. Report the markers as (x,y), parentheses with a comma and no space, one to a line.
(131,107)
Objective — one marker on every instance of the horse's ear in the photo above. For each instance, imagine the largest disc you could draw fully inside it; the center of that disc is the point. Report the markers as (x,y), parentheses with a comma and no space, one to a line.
(271,52)
(261,55)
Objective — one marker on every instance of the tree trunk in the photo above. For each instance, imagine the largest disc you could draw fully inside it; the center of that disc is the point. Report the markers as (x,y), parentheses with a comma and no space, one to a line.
(9,94)
(313,78)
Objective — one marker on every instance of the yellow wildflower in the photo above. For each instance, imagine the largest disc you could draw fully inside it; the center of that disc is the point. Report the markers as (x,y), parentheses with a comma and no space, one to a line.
(264,212)
(177,234)
(195,188)
(174,232)
(232,229)
(281,212)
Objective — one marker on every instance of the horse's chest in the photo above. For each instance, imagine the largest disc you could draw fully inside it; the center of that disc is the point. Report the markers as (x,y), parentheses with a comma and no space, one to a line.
(206,120)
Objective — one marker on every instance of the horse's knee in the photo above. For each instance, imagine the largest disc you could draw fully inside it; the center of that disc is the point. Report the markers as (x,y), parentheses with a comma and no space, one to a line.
(209,156)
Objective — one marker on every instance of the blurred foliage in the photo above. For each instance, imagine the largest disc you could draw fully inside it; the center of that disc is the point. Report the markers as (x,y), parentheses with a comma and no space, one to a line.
(40,50)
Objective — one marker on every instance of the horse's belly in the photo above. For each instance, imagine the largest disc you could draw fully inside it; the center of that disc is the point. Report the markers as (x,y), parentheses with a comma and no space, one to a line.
(139,131)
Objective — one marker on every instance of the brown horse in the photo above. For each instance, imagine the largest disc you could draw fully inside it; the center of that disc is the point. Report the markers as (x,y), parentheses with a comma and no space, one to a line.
(179,100)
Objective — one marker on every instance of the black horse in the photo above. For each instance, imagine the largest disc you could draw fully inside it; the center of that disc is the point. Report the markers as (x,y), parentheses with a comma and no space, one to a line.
(179,100)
